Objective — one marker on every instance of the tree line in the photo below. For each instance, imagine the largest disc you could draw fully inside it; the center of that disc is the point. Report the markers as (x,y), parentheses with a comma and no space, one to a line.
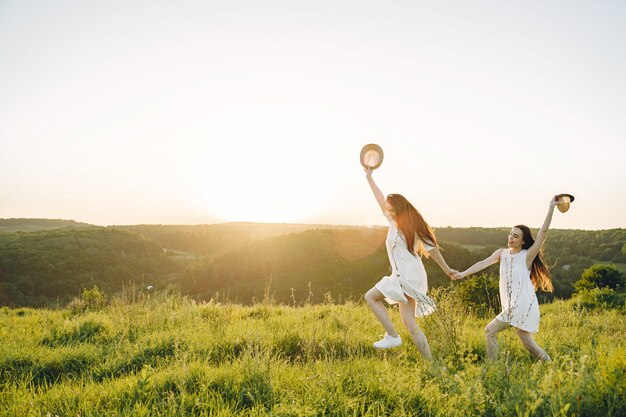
(244,262)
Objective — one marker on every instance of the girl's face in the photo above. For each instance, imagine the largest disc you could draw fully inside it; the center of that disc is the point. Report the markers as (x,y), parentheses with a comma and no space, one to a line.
(515,240)
(391,210)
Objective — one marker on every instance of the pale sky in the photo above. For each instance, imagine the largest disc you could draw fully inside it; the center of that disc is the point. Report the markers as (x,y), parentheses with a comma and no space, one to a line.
(185,112)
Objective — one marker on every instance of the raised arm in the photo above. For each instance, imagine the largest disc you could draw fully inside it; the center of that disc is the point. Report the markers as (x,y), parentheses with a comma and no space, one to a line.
(533,251)
(380,198)
(480,265)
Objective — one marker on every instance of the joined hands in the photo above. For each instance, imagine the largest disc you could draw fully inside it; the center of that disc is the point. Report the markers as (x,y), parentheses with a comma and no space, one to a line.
(455,275)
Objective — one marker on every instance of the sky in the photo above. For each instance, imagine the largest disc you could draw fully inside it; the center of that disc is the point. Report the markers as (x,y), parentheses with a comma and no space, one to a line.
(189,112)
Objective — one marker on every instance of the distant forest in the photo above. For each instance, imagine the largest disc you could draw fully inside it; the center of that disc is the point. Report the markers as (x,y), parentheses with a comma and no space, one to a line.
(48,262)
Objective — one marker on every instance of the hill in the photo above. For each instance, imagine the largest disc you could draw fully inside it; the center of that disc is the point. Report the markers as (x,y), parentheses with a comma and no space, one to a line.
(305,266)
(348,262)
(216,239)
(247,261)
(31,225)
(53,266)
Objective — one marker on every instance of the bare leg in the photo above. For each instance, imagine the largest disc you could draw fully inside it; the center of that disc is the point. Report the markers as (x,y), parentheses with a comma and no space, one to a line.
(373,299)
(491,335)
(529,343)
(407,313)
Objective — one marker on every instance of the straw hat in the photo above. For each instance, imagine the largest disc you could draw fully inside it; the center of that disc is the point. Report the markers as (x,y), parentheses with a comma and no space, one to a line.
(371,156)
(564,201)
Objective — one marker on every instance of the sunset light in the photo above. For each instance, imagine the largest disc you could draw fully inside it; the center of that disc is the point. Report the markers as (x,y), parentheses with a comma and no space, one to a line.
(312,208)
(205,113)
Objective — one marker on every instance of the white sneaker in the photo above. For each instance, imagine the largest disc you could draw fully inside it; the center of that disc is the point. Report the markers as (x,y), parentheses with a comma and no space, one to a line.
(388,342)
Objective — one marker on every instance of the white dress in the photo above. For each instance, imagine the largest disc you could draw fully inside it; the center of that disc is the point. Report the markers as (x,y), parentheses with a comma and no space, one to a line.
(408,276)
(520,307)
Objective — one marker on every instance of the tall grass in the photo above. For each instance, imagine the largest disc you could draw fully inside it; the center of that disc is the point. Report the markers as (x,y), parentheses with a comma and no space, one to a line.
(166,355)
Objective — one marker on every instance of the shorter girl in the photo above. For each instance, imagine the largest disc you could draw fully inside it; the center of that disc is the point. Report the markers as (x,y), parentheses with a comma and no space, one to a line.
(522,272)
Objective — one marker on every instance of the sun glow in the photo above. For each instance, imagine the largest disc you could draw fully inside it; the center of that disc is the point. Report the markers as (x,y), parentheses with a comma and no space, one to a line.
(253,200)
(219,112)
(242,186)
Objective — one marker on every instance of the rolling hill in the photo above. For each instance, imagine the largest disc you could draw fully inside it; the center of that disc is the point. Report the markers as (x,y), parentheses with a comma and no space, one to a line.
(246,262)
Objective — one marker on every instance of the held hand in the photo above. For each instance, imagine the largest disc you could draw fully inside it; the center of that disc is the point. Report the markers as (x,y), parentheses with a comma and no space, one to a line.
(458,275)
(452,274)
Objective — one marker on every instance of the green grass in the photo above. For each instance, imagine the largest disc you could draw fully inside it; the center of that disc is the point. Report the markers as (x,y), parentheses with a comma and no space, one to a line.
(165,355)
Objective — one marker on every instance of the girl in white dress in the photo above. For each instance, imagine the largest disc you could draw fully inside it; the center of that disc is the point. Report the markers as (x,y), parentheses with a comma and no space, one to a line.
(409,236)
(522,272)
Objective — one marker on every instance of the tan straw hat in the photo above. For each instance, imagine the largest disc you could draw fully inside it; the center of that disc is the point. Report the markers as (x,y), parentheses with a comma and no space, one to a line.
(563,202)
(371,156)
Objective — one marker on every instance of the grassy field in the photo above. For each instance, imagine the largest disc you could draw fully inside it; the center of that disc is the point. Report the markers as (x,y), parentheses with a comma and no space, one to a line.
(165,355)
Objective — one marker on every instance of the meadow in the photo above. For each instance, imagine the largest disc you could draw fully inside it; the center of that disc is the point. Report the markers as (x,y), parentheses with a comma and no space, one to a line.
(165,354)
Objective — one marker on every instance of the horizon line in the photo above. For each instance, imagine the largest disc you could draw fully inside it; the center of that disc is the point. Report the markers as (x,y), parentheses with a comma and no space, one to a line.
(282,223)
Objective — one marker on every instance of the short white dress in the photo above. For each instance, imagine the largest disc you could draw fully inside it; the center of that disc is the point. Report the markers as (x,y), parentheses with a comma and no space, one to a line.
(408,276)
(520,307)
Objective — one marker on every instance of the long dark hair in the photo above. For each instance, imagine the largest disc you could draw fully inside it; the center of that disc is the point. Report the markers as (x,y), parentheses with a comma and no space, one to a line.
(539,272)
(412,224)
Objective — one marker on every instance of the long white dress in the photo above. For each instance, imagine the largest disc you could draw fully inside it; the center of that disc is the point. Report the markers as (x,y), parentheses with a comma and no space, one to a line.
(520,307)
(408,276)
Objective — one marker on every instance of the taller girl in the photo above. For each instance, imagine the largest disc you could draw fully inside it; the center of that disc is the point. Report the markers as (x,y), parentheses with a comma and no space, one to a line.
(408,236)
(522,272)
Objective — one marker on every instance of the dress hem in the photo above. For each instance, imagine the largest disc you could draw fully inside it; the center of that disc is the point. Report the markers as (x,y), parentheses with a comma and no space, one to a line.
(501,319)
(424,305)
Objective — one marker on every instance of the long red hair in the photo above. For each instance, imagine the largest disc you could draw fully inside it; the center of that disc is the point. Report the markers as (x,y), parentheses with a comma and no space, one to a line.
(412,225)
(539,272)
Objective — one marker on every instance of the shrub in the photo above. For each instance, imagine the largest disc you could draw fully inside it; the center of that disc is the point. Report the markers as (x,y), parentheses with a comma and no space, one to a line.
(600,276)
(93,299)
(481,294)
(599,298)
